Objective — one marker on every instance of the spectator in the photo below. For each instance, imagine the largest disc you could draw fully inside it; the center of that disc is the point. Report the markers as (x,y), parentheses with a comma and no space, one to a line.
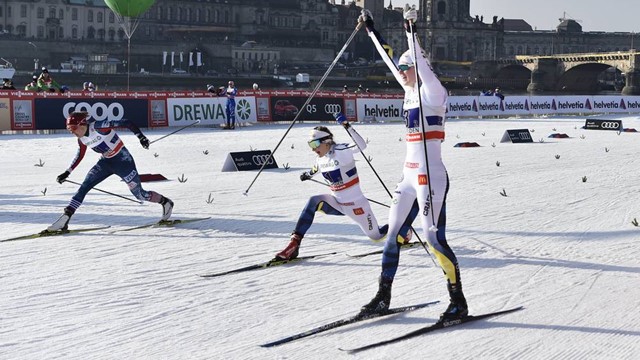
(46,82)
(255,87)
(88,86)
(359,89)
(7,84)
(231,93)
(345,89)
(497,93)
(33,85)
(484,92)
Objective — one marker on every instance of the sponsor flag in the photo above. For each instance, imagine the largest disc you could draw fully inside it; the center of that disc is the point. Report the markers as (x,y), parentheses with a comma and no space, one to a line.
(164,58)
(173,54)
(199,58)
(190,58)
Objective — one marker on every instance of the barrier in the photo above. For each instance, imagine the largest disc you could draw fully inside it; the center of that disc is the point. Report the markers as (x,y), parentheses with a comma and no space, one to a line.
(20,110)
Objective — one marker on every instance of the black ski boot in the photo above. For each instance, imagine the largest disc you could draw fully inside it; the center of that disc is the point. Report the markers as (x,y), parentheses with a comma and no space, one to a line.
(380,303)
(457,306)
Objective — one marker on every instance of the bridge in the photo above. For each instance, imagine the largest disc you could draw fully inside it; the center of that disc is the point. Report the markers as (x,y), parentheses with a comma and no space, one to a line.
(565,72)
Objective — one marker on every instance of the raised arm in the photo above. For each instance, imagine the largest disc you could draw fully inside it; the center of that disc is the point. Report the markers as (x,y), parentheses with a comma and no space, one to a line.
(431,88)
(384,49)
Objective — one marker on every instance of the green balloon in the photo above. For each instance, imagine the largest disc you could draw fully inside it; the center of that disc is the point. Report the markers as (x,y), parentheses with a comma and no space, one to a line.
(131,8)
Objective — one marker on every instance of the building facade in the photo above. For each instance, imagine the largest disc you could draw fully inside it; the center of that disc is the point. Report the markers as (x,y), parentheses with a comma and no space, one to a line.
(262,36)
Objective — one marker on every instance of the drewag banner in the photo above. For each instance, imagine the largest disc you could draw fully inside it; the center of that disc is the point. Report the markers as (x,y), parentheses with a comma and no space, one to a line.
(209,110)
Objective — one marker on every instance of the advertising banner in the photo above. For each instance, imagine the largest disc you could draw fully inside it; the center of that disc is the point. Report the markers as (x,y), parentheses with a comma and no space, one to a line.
(489,105)
(609,104)
(462,106)
(515,105)
(51,113)
(23,115)
(209,110)
(379,109)
(285,108)
(5,114)
(573,104)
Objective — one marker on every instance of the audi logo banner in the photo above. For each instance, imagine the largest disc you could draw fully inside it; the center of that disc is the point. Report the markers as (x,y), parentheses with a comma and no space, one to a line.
(51,113)
(318,109)
(597,124)
(249,160)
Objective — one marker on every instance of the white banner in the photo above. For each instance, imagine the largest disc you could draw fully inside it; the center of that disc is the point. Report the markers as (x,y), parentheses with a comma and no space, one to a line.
(209,110)
(190,58)
(523,105)
(172,56)
(164,58)
(379,109)
(199,58)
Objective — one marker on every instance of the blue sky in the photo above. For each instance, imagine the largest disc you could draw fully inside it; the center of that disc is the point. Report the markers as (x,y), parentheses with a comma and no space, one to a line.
(595,15)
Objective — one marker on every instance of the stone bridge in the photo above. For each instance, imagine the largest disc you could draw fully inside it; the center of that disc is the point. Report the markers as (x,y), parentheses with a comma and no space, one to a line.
(564,72)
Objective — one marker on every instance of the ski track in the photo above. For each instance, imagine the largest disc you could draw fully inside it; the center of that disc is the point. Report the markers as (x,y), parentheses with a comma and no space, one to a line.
(563,248)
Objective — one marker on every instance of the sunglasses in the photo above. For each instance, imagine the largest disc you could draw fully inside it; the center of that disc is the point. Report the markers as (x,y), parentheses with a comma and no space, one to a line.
(405,67)
(314,144)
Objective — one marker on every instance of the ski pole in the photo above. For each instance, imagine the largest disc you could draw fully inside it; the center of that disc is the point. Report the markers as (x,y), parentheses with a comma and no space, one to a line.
(304,106)
(412,47)
(106,192)
(171,133)
(373,201)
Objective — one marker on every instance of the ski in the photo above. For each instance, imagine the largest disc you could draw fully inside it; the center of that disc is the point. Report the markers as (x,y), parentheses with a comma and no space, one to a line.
(403,246)
(165,223)
(45,233)
(437,326)
(346,321)
(270,263)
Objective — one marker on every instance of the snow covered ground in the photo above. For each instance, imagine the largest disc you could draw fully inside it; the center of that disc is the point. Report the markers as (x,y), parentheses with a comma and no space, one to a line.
(564,248)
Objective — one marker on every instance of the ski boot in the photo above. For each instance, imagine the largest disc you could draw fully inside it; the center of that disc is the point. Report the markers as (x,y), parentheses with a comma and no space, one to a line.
(457,308)
(291,251)
(167,207)
(380,302)
(62,224)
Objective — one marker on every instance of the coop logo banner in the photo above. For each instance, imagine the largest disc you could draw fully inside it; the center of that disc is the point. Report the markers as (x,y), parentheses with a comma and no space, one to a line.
(209,110)
(379,109)
(51,113)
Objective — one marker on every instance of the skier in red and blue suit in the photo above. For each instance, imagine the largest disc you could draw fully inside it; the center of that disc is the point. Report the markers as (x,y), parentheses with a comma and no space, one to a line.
(115,159)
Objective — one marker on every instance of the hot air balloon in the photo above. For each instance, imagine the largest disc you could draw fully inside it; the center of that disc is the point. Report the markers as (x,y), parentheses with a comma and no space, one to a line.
(128,13)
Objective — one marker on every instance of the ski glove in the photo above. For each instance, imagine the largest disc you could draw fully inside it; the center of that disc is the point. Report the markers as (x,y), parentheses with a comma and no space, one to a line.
(341,119)
(410,18)
(143,141)
(305,176)
(62,177)
(366,18)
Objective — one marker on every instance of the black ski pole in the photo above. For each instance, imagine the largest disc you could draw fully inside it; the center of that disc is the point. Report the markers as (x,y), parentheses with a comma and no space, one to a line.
(173,132)
(106,192)
(304,106)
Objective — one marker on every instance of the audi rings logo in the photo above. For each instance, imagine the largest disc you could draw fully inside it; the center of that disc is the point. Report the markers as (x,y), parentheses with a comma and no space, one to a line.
(262,159)
(332,108)
(609,125)
(98,111)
